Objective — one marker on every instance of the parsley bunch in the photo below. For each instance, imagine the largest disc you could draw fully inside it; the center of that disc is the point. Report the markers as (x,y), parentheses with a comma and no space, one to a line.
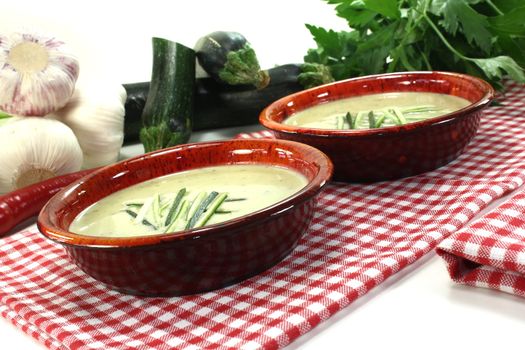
(484,38)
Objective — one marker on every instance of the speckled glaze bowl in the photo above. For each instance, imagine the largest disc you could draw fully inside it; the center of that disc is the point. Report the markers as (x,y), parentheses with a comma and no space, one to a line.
(389,152)
(195,260)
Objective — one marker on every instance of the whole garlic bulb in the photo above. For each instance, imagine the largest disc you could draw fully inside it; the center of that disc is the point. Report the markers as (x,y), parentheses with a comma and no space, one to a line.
(35,149)
(37,74)
(95,113)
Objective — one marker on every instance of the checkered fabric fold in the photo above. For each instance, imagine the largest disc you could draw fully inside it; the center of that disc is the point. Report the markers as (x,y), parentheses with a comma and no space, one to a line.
(490,252)
(360,235)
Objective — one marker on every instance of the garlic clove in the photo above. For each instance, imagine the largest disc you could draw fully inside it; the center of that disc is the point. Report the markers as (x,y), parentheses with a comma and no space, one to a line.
(96,116)
(35,149)
(37,74)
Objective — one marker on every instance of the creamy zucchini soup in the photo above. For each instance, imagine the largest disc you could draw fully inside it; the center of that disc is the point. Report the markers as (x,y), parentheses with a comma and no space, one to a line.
(188,200)
(377,110)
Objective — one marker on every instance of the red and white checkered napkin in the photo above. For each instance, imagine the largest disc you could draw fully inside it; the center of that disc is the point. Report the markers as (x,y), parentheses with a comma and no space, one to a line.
(490,252)
(360,235)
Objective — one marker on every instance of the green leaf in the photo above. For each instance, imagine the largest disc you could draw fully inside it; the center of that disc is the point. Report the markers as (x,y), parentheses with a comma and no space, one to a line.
(327,40)
(346,70)
(458,15)
(495,67)
(373,52)
(507,5)
(332,46)
(478,37)
(355,13)
(512,22)
(387,8)
(513,48)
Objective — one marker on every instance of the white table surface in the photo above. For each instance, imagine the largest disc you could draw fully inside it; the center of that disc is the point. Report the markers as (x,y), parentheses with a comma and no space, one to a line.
(419,307)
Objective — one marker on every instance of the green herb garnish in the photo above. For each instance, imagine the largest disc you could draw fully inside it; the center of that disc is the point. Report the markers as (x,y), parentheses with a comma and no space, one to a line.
(211,209)
(359,117)
(398,116)
(134,205)
(350,119)
(371,120)
(202,207)
(134,216)
(169,213)
(380,120)
(179,222)
(377,118)
(340,122)
(234,199)
(175,207)
(485,38)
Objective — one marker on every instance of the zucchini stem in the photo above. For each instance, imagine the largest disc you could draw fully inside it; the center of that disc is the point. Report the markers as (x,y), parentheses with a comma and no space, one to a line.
(314,74)
(242,68)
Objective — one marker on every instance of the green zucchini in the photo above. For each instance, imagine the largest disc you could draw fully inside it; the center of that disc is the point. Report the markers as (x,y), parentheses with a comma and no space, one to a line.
(168,111)
(218,105)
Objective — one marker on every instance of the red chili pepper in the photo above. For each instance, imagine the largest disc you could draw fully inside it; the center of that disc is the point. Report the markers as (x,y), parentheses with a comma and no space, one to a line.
(24,203)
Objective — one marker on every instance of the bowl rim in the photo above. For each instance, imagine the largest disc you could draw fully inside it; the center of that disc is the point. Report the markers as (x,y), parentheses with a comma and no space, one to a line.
(68,238)
(266,119)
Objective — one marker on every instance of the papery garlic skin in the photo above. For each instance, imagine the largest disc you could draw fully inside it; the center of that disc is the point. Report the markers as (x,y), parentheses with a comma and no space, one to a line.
(37,74)
(35,149)
(95,113)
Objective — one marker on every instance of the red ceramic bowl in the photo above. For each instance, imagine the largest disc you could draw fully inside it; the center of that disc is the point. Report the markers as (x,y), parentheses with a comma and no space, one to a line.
(195,260)
(389,152)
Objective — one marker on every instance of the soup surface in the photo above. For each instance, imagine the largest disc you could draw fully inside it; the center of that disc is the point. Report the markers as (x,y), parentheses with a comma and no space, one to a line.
(376,110)
(170,203)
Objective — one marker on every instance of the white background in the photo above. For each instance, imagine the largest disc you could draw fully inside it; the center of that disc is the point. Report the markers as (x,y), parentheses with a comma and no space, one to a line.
(417,308)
